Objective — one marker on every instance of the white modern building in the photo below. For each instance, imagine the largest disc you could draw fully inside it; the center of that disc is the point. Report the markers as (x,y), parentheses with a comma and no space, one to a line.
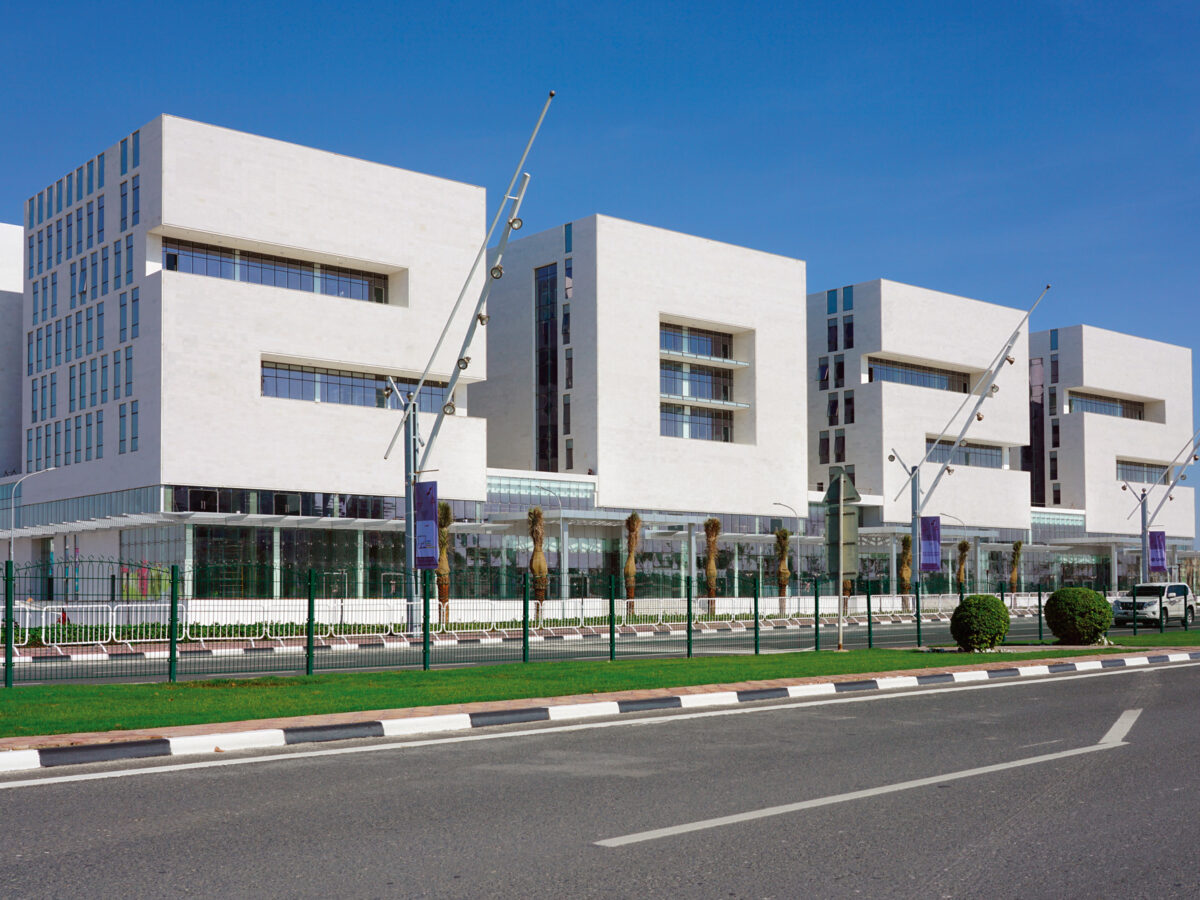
(659,366)
(652,359)
(891,366)
(12,283)
(209,320)
(1109,409)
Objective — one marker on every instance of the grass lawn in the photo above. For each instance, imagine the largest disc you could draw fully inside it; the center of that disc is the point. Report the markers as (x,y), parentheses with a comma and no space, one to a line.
(62,708)
(1149,637)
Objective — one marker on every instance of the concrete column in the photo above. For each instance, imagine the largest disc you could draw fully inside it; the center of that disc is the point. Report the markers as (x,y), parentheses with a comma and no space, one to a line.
(892,565)
(276,576)
(358,577)
(564,560)
(736,588)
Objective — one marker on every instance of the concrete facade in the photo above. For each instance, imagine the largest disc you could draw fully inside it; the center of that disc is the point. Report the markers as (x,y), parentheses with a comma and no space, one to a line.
(1114,399)
(11,333)
(198,353)
(920,333)
(629,281)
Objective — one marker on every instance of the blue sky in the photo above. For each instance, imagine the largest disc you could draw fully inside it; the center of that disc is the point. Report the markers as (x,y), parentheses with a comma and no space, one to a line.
(982,149)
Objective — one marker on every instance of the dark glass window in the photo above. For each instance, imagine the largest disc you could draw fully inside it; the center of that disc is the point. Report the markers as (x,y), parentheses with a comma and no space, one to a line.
(1054,433)
(695,422)
(566,423)
(965,454)
(830,302)
(1107,406)
(695,341)
(1053,368)
(570,454)
(545,289)
(831,335)
(839,371)
(848,298)
(273,271)
(348,388)
(1056,493)
(1054,466)
(919,376)
(566,323)
(568,281)
(1141,473)
(831,410)
(839,445)
(1052,400)
(823,373)
(848,332)
(848,407)
(823,448)
(1053,338)
(701,382)
(569,375)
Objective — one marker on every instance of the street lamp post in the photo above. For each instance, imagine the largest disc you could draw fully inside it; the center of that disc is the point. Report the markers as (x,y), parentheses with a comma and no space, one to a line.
(12,505)
(564,558)
(792,510)
(1144,574)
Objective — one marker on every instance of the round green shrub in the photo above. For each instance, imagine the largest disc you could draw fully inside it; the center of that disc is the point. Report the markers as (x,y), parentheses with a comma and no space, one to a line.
(980,622)
(1078,615)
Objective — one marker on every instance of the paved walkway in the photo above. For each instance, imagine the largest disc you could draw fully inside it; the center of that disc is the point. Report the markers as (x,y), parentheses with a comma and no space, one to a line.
(40,742)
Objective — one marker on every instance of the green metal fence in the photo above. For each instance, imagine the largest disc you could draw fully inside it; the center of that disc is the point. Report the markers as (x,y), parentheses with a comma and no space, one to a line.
(111,620)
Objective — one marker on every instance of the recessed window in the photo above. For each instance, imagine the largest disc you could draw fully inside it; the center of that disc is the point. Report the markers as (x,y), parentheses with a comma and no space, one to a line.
(1053,368)
(823,448)
(570,453)
(823,373)
(848,332)
(848,407)
(831,409)
(1056,494)
(848,298)
(1053,466)
(831,302)
(839,445)
(839,371)
(831,335)
(1055,434)
(919,376)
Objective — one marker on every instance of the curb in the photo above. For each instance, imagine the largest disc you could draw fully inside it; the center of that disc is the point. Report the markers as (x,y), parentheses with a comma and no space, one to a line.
(21,760)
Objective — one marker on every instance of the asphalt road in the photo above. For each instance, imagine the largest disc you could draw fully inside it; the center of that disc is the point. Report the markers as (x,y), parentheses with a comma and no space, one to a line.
(371,656)
(519,812)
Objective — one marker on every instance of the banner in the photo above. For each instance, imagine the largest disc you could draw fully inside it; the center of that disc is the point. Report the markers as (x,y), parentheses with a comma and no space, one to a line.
(1158,551)
(425,500)
(931,544)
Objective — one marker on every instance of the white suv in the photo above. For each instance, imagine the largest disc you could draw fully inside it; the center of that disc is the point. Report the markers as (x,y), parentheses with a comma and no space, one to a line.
(1145,601)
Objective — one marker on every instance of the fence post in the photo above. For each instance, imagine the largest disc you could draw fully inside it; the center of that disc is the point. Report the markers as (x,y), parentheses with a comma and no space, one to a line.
(1162,623)
(756,629)
(112,589)
(524,617)
(917,605)
(9,624)
(687,585)
(425,623)
(1039,613)
(816,613)
(612,617)
(173,655)
(870,631)
(311,626)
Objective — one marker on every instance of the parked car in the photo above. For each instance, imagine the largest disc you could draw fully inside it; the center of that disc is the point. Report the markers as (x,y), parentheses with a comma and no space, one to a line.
(1145,601)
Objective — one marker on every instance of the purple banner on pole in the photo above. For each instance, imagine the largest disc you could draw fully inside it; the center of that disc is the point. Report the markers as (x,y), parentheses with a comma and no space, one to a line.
(931,543)
(426,535)
(1158,551)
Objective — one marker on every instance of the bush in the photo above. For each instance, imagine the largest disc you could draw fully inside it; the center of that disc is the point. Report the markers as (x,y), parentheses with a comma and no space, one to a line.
(979,623)
(1078,615)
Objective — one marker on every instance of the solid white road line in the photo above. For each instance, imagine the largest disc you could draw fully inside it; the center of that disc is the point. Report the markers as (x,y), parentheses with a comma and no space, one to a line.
(1112,739)
(152,768)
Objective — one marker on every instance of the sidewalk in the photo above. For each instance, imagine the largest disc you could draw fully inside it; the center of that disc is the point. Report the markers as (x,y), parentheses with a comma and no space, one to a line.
(222,736)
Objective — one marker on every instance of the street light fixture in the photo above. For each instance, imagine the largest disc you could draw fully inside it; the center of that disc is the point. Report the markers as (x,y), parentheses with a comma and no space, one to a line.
(12,505)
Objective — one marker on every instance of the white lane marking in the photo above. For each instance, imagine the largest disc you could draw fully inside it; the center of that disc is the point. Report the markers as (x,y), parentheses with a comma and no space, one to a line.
(668,719)
(1120,728)
(1110,740)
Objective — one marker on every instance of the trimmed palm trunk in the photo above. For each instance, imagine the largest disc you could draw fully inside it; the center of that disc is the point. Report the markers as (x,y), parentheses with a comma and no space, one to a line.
(537,560)
(782,575)
(964,548)
(1014,575)
(444,520)
(633,526)
(906,570)
(712,531)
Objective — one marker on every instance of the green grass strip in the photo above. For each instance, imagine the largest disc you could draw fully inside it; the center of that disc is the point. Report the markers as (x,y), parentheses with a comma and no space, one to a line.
(64,708)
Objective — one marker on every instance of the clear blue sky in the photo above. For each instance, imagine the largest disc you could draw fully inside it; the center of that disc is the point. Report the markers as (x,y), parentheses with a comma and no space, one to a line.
(979,148)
